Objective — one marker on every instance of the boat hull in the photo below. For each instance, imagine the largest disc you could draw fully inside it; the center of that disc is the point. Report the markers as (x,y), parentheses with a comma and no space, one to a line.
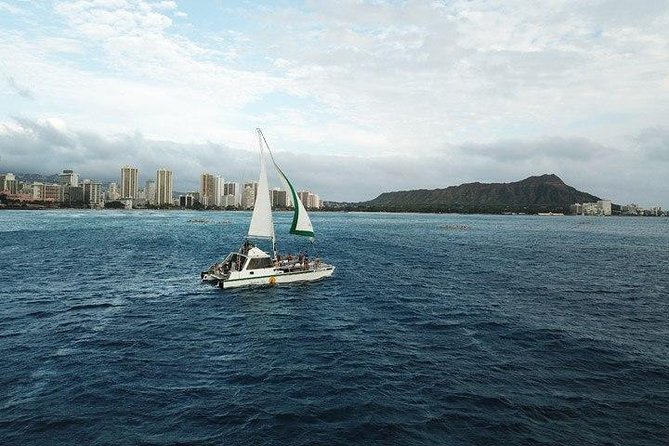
(271,278)
(211,277)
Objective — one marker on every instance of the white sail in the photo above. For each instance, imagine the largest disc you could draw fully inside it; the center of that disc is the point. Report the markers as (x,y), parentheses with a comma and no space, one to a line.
(301,224)
(262,225)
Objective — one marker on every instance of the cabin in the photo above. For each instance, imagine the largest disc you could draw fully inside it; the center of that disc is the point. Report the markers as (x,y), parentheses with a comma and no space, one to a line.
(254,258)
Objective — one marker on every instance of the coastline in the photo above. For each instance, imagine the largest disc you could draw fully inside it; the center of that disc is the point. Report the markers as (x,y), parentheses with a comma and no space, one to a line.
(317,211)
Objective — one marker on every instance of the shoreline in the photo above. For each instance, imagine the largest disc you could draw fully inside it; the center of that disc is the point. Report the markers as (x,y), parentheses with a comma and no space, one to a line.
(316,211)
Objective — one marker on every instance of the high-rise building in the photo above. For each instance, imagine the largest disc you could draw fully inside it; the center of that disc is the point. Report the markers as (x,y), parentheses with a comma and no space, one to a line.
(249,195)
(129,182)
(254,186)
(303,196)
(186,201)
(314,201)
(92,192)
(211,189)
(37,191)
(230,201)
(279,198)
(8,183)
(163,187)
(150,191)
(52,191)
(231,195)
(655,210)
(230,189)
(631,209)
(601,207)
(309,200)
(604,206)
(71,194)
(113,192)
(68,178)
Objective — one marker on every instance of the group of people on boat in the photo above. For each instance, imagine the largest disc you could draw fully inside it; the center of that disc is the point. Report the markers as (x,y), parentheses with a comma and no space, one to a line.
(299,262)
(246,247)
(302,260)
(225,267)
(287,263)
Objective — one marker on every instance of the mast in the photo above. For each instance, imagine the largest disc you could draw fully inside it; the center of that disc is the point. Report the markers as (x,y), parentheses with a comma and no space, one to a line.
(262,225)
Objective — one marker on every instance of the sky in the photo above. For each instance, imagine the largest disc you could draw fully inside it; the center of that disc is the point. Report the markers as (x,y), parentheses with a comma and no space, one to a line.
(354,97)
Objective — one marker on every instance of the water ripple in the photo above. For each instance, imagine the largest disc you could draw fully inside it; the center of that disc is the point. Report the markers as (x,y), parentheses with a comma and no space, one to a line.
(516,331)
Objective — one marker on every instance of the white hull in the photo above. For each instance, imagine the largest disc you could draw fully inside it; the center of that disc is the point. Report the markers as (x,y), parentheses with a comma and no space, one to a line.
(273,276)
(210,277)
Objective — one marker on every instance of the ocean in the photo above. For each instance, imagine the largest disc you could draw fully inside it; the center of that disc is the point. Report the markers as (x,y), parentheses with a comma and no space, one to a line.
(434,329)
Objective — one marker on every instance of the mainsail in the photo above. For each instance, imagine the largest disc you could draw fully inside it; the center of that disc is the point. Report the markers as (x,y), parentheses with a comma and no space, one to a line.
(262,225)
(301,224)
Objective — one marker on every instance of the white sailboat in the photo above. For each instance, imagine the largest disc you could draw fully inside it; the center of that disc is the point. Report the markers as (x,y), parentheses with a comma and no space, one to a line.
(253,266)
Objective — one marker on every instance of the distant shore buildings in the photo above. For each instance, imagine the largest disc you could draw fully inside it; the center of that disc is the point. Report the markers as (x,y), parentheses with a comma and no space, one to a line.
(601,207)
(163,187)
(67,190)
(211,189)
(634,209)
(129,183)
(606,208)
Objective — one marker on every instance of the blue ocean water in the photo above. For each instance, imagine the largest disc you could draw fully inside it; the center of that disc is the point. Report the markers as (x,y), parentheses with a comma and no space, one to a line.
(434,329)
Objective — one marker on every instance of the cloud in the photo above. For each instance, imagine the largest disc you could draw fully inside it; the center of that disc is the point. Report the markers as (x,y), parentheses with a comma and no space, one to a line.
(382,95)
(401,75)
(471,70)
(607,172)
(653,143)
(4,6)
(20,90)
(556,148)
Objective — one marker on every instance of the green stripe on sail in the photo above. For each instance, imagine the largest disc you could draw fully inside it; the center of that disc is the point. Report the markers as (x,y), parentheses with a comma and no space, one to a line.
(296,207)
(304,233)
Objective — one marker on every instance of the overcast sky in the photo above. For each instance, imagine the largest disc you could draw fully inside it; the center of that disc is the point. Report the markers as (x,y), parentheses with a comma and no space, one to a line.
(355,97)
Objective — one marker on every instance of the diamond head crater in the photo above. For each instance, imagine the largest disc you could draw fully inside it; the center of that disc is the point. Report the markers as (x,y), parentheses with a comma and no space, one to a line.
(542,193)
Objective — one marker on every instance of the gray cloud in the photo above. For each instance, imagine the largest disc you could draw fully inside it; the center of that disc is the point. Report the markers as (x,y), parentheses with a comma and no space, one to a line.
(42,146)
(19,89)
(575,149)
(653,143)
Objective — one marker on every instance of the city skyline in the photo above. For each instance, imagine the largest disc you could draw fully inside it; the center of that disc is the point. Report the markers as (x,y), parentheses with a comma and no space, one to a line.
(389,96)
(214,192)
(226,194)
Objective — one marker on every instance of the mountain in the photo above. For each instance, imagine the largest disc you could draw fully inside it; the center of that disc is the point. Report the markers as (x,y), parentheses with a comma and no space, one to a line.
(33,177)
(534,194)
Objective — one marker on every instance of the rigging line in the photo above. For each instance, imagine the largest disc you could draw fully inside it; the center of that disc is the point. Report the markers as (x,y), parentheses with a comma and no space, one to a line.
(268,148)
(260,133)
(275,164)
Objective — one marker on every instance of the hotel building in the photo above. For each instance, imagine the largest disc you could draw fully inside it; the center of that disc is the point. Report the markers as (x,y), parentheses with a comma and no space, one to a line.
(150,191)
(211,189)
(68,178)
(8,183)
(129,182)
(92,193)
(163,187)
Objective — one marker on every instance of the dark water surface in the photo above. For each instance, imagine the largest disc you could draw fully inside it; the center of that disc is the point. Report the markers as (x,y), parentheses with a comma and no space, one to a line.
(435,329)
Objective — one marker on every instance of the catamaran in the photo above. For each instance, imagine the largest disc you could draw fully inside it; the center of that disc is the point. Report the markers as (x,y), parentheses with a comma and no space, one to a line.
(252,266)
